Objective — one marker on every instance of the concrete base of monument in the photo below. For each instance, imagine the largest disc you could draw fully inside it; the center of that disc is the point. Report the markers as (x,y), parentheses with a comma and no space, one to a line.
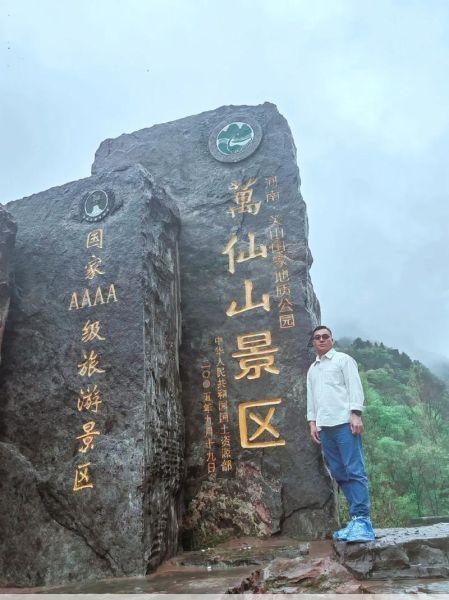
(403,560)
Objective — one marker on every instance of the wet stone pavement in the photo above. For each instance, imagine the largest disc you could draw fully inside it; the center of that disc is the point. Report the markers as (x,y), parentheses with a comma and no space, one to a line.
(251,565)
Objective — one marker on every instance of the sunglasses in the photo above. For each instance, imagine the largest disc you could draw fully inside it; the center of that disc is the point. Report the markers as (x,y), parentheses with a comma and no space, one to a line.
(325,336)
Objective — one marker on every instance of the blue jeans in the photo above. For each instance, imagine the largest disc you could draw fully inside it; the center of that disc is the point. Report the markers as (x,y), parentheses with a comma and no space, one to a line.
(344,455)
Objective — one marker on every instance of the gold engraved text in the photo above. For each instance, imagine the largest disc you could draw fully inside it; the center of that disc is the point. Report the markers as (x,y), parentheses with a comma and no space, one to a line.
(255,353)
(252,253)
(82,478)
(248,441)
(93,267)
(89,366)
(91,332)
(84,298)
(89,400)
(95,239)
(88,436)
(243,198)
(249,305)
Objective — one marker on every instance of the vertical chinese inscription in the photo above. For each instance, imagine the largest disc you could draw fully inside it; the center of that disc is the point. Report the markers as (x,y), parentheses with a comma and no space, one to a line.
(211,458)
(217,424)
(226,464)
(90,368)
(256,354)
(281,273)
(277,246)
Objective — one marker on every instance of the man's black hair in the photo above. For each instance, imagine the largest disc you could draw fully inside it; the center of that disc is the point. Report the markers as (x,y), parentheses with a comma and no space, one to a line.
(321,327)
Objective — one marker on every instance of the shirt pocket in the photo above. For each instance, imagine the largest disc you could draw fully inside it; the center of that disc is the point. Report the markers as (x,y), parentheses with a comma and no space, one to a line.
(333,377)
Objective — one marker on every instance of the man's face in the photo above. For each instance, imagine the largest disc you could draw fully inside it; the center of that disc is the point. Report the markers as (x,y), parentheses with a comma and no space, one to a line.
(322,341)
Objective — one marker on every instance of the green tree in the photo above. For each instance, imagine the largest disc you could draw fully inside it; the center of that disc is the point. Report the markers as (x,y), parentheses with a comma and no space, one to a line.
(406,438)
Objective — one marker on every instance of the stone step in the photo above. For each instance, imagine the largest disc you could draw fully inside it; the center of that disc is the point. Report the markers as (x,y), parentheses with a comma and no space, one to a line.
(410,552)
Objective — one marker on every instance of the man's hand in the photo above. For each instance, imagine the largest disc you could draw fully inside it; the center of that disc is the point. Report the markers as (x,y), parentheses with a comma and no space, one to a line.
(314,433)
(356,424)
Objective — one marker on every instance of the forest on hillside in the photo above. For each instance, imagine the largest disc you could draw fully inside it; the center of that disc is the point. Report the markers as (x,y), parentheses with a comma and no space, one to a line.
(406,439)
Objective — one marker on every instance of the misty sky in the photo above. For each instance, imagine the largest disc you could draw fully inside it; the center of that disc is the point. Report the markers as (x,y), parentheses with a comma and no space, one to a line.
(363,84)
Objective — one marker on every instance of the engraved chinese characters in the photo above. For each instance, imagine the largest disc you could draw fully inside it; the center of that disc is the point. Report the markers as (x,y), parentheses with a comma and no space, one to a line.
(89,397)
(255,351)
(264,424)
(216,401)
(259,306)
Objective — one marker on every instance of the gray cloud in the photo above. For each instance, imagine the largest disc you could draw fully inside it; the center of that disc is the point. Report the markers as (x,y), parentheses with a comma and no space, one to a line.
(363,86)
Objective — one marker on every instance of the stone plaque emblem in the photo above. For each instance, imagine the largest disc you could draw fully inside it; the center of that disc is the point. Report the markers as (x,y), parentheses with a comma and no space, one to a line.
(231,141)
(96,205)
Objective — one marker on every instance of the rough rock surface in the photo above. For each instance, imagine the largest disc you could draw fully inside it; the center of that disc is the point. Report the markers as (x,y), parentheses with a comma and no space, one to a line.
(82,358)
(411,552)
(299,576)
(8,231)
(251,565)
(237,490)
(243,551)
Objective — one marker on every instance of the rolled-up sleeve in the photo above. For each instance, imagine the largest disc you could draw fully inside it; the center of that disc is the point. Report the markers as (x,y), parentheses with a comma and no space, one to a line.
(311,405)
(353,384)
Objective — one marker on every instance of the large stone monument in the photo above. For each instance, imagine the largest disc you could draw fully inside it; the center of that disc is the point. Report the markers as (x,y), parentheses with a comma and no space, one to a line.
(248,309)
(91,434)
(92,446)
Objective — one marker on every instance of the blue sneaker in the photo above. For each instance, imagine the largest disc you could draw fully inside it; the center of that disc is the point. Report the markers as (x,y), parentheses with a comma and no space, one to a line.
(361,530)
(342,534)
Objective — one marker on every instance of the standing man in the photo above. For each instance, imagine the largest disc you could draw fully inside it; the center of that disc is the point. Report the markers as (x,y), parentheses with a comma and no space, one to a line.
(334,409)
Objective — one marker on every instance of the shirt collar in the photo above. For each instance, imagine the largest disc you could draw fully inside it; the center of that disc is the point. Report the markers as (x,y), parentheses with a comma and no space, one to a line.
(329,355)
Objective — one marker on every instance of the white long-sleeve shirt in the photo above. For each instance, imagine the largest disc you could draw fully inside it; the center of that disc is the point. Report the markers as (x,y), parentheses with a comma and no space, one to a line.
(333,389)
